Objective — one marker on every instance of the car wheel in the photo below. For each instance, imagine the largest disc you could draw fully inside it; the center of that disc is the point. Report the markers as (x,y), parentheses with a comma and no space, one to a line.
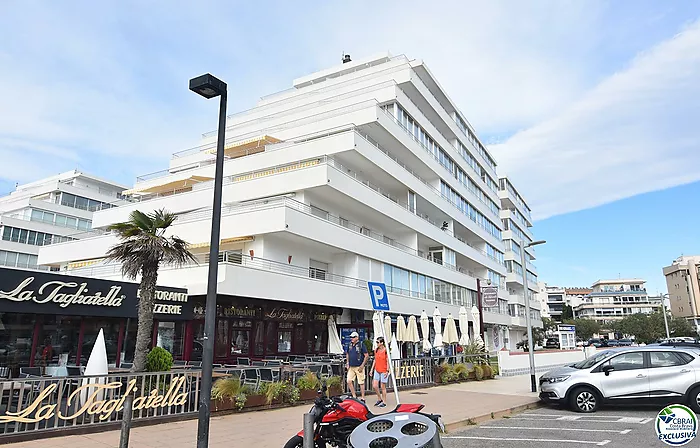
(694,400)
(584,399)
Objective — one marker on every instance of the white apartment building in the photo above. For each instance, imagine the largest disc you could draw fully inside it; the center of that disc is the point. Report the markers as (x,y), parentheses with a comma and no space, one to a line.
(517,220)
(683,283)
(50,211)
(366,171)
(541,298)
(613,300)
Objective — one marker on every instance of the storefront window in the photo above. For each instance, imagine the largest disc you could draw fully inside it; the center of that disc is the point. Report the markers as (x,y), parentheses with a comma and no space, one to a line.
(16,332)
(92,327)
(259,338)
(57,344)
(240,342)
(284,337)
(129,344)
(271,338)
(221,344)
(170,337)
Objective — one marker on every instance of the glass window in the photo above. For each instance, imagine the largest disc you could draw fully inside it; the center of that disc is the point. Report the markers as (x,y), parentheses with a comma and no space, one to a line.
(170,336)
(61,220)
(91,328)
(81,203)
(259,338)
(628,361)
(58,341)
(221,345)
(666,359)
(6,233)
(271,338)
(284,341)
(16,340)
(71,222)
(240,342)
(23,260)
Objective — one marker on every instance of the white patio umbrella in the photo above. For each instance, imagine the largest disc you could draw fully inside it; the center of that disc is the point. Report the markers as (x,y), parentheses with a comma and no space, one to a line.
(387,328)
(376,329)
(334,345)
(395,353)
(450,336)
(401,329)
(425,331)
(477,326)
(463,326)
(437,324)
(96,365)
(411,334)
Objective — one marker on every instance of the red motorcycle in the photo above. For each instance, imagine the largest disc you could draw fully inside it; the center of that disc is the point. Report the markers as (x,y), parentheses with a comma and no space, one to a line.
(336,417)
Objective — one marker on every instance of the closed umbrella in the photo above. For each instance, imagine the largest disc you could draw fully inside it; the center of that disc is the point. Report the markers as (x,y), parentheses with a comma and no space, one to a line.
(437,325)
(387,328)
(411,334)
(450,336)
(96,365)
(334,345)
(463,326)
(376,328)
(425,331)
(395,352)
(401,329)
(477,326)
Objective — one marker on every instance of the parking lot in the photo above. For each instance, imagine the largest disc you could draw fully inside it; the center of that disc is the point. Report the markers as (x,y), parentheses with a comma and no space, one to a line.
(615,427)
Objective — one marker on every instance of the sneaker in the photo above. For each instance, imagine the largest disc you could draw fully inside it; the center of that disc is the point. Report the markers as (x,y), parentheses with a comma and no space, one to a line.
(362,400)
(381,405)
(378,402)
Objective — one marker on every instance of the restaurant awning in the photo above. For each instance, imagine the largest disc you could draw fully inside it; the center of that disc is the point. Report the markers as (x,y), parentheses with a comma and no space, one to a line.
(174,185)
(246,147)
(240,239)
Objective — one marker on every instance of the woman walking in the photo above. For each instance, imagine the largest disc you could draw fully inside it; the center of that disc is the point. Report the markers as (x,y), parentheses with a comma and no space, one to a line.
(380,367)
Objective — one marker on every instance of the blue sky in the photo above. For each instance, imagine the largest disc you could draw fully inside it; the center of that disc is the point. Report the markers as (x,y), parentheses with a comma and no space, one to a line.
(583,103)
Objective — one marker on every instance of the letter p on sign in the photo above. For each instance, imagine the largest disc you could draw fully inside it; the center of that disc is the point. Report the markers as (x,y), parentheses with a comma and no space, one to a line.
(378,296)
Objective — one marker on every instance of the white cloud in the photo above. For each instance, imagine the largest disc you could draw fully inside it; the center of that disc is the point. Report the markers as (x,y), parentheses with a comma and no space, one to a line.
(634,132)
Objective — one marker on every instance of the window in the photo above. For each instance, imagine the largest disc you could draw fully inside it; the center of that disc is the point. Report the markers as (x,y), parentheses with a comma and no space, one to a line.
(318,270)
(628,361)
(668,359)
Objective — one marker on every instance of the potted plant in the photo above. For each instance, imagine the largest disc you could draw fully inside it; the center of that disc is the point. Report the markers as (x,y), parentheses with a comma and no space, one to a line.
(479,372)
(273,392)
(290,393)
(334,385)
(228,394)
(461,371)
(308,385)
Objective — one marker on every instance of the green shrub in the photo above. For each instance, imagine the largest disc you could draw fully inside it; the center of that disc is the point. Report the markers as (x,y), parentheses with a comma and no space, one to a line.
(488,372)
(368,346)
(479,372)
(308,381)
(228,388)
(290,393)
(333,381)
(159,360)
(272,391)
(462,371)
(445,373)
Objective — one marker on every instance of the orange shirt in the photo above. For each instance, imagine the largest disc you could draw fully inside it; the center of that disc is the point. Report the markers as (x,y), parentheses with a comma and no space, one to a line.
(380,361)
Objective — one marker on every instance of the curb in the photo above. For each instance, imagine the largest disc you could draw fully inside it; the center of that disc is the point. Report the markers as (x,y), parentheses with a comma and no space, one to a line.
(453,426)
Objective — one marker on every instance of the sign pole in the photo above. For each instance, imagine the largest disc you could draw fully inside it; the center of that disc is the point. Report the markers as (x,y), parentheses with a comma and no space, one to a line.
(391,360)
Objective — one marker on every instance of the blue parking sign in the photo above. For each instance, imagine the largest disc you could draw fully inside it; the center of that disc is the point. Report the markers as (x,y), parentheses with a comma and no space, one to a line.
(377,293)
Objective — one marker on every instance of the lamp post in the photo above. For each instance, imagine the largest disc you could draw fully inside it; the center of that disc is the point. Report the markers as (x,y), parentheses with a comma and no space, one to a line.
(663,308)
(528,319)
(209,87)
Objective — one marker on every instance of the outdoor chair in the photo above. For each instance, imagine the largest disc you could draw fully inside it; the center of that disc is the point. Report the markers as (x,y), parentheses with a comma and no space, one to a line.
(250,378)
(244,361)
(33,371)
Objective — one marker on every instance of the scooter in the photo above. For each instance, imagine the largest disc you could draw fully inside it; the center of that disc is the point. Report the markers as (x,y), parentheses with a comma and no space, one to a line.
(336,417)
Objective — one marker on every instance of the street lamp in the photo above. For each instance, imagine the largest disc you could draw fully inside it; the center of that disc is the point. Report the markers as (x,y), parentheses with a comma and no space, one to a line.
(210,87)
(663,308)
(528,319)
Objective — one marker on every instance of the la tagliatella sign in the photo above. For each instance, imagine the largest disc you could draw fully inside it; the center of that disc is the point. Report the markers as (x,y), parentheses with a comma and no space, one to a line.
(42,408)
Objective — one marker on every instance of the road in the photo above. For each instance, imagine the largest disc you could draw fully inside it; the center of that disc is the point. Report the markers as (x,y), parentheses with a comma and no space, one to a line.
(617,427)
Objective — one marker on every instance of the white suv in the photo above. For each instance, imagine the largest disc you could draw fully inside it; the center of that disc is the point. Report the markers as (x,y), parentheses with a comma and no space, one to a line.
(626,373)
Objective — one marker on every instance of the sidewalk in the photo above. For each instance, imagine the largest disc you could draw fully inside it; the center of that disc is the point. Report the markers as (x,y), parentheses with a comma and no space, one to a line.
(457,404)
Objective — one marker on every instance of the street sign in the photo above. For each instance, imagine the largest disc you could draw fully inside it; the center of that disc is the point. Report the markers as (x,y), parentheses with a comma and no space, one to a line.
(378,296)
(489,296)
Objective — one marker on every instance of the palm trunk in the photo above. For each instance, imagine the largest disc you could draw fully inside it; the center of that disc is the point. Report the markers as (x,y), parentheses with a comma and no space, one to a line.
(149,278)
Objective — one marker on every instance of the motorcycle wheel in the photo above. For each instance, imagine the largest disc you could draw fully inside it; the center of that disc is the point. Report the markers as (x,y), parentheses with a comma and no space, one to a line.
(298,442)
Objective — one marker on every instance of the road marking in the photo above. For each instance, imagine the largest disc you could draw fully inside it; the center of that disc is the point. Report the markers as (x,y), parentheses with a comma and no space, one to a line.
(532,414)
(512,439)
(587,419)
(570,417)
(645,421)
(637,420)
(557,429)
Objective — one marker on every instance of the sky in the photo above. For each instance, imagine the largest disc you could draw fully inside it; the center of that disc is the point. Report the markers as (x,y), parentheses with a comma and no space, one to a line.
(590,107)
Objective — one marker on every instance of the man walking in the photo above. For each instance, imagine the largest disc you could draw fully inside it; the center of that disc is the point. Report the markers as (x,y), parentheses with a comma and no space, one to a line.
(380,367)
(356,357)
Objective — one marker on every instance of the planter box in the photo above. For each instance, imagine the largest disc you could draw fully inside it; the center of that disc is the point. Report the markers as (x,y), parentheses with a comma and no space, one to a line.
(223,404)
(335,390)
(253,401)
(305,395)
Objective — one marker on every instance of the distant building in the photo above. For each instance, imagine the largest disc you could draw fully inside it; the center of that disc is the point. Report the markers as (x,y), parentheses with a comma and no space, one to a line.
(683,283)
(541,298)
(555,301)
(612,300)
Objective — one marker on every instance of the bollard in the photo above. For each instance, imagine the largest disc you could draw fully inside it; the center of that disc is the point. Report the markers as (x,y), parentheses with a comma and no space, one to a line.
(308,431)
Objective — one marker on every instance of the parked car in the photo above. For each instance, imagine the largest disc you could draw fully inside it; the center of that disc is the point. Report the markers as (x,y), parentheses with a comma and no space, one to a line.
(595,342)
(552,343)
(613,343)
(636,374)
(626,342)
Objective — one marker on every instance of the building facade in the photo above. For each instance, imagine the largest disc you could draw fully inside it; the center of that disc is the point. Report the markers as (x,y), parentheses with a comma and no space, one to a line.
(366,171)
(541,297)
(683,283)
(50,211)
(612,300)
(517,234)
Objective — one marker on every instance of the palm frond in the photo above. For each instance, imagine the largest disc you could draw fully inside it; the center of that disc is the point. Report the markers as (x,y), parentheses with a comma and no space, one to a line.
(142,221)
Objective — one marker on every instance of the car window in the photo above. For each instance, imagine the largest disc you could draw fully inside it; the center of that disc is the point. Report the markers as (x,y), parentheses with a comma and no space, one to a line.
(628,361)
(667,359)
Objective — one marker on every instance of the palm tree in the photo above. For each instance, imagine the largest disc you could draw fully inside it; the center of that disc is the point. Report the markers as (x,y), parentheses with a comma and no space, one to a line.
(142,250)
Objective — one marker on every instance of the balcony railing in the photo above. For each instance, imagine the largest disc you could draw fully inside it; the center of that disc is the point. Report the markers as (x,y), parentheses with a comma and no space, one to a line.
(262,264)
